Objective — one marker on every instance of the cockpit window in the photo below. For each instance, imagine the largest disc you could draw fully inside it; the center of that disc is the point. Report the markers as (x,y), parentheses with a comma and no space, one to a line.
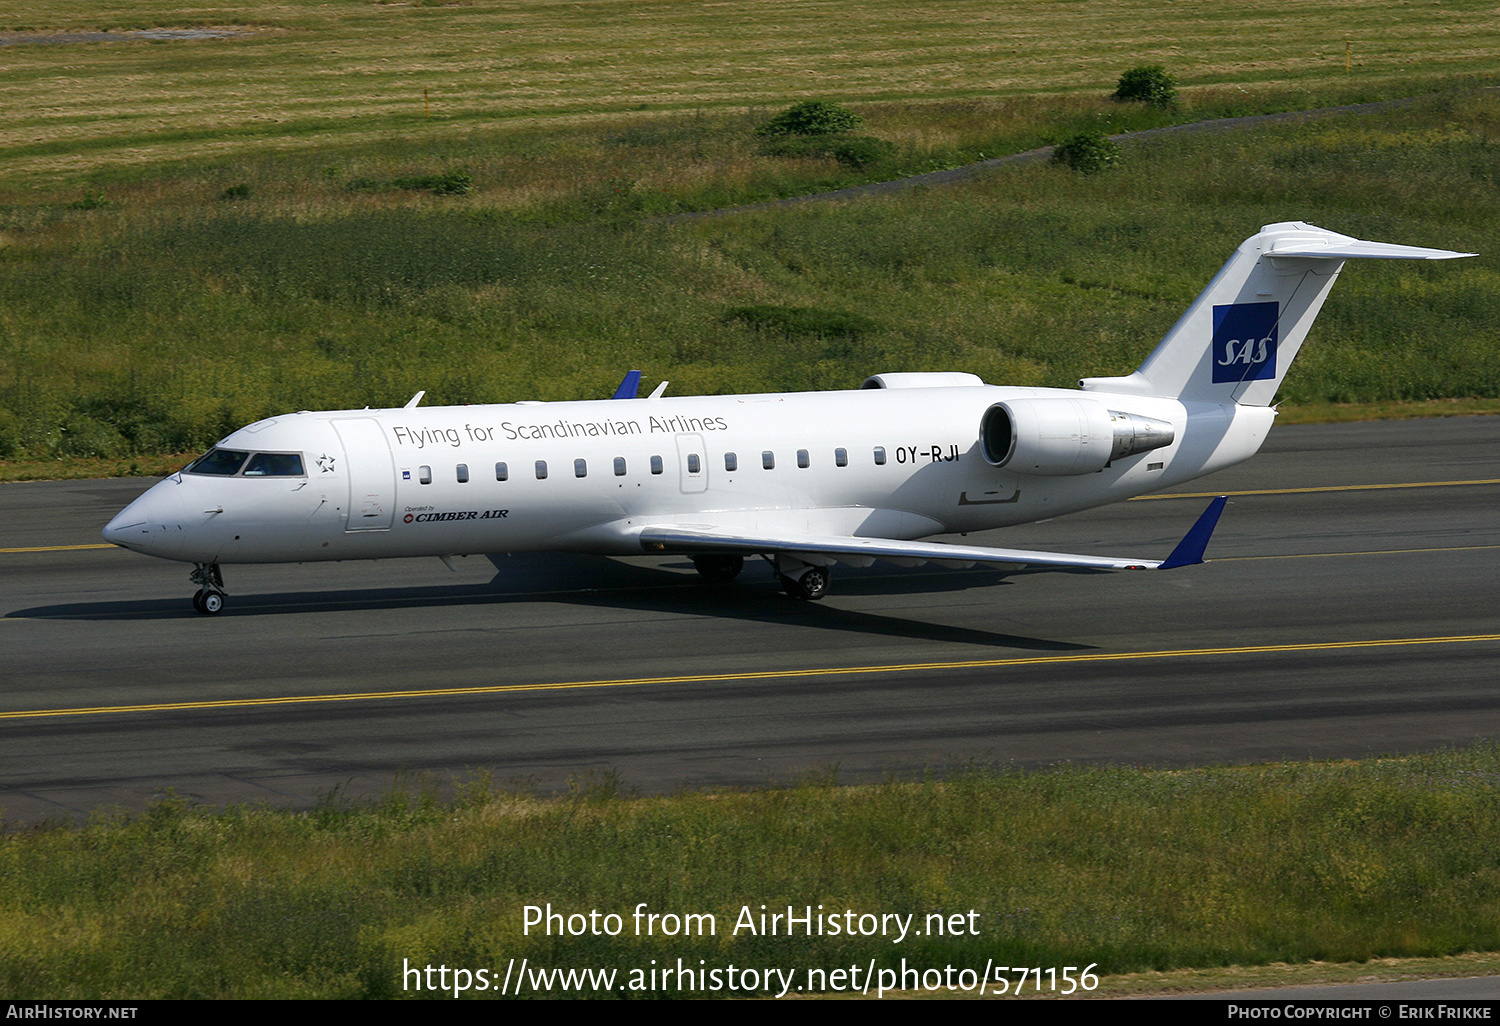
(229,462)
(220,462)
(274,464)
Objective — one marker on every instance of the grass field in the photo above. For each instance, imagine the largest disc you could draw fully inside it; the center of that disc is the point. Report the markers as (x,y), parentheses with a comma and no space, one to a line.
(133,326)
(336,205)
(1332,863)
(308,75)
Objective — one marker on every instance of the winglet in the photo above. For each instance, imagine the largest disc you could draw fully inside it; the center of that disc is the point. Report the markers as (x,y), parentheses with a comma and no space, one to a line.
(1190,550)
(630,387)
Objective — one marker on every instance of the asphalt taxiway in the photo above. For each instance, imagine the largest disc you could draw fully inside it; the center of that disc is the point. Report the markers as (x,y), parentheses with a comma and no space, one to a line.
(1351,608)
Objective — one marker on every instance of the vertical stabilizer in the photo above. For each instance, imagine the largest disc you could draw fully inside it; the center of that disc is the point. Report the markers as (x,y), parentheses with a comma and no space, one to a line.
(1237,340)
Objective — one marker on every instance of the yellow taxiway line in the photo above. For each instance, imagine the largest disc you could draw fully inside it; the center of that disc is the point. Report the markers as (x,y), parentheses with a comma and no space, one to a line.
(708,678)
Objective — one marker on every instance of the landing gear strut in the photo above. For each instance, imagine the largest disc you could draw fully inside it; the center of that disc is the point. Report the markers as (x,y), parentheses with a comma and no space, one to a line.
(210,596)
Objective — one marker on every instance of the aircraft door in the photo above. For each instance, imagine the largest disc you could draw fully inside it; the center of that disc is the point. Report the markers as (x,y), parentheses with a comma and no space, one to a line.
(372,474)
(692,459)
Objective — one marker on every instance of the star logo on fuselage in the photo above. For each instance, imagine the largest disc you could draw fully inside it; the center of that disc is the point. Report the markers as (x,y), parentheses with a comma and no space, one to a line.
(326,462)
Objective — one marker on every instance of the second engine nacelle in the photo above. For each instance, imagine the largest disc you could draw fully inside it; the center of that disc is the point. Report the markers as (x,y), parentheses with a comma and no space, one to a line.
(1062,436)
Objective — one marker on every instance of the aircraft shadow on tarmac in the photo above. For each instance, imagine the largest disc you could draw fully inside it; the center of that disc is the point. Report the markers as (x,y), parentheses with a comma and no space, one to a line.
(664,586)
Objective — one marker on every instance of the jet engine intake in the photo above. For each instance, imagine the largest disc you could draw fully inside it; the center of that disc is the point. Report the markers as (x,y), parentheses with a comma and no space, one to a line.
(1059,437)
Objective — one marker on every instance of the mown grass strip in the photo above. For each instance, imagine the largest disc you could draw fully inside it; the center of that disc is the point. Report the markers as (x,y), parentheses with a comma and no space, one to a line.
(1133,871)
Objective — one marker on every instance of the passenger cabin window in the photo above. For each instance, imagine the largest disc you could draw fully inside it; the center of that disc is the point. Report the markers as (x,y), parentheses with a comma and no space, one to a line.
(219,462)
(656,465)
(463,473)
(880,455)
(803,460)
(619,466)
(502,472)
(841,457)
(424,474)
(768,460)
(731,461)
(695,465)
(541,470)
(580,468)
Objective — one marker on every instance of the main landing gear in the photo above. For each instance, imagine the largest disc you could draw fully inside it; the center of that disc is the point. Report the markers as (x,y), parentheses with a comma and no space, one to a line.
(210,596)
(799,579)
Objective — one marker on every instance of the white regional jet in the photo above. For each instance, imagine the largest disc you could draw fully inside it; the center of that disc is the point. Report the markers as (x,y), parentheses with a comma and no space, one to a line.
(805,480)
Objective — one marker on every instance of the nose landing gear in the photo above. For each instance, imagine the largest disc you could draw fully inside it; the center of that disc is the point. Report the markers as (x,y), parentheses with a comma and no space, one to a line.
(211,594)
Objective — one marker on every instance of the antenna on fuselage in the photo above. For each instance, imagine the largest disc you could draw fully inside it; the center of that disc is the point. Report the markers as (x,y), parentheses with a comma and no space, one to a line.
(411,403)
(660,389)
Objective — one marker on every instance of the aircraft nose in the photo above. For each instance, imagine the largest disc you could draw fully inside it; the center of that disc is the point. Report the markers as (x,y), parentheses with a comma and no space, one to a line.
(143,522)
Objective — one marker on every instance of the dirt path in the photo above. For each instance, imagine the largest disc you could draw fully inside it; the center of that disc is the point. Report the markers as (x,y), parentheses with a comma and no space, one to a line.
(934,179)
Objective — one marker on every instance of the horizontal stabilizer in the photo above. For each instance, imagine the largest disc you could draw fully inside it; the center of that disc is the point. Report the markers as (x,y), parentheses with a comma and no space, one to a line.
(823,551)
(1356,249)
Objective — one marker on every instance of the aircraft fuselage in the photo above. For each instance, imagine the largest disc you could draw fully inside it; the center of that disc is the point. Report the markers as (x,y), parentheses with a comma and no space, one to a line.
(587,476)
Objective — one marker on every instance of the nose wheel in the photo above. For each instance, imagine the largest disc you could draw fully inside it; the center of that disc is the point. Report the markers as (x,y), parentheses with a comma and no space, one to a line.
(210,596)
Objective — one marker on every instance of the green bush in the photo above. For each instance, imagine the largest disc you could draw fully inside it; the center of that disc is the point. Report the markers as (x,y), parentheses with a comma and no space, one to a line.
(1147,84)
(812,117)
(1087,153)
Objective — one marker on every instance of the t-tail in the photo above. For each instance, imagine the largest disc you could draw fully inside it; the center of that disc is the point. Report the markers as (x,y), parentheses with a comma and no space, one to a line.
(1237,340)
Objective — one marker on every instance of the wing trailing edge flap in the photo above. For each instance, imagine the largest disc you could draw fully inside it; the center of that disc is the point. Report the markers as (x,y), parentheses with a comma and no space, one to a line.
(826,550)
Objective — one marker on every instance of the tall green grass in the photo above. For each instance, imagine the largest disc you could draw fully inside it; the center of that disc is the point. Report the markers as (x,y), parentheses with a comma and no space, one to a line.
(1126,869)
(145,327)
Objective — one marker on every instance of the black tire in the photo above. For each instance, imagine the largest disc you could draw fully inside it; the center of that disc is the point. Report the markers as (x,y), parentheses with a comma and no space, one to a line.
(813,584)
(208,602)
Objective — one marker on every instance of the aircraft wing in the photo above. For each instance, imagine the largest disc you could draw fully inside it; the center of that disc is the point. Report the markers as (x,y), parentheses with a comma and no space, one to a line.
(823,551)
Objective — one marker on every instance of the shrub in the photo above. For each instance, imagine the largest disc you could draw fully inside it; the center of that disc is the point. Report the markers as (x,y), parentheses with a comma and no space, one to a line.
(1087,153)
(1147,84)
(812,117)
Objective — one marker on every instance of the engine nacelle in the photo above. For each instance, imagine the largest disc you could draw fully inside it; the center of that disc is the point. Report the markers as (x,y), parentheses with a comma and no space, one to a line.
(1059,437)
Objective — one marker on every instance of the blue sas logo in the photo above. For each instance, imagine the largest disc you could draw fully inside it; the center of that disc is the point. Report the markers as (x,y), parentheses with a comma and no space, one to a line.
(1245,341)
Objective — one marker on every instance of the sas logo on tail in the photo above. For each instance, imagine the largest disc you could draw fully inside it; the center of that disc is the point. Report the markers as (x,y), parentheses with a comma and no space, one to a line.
(1245,341)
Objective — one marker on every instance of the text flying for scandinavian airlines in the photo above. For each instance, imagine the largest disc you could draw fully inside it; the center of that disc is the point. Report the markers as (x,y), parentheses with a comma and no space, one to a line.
(422,437)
